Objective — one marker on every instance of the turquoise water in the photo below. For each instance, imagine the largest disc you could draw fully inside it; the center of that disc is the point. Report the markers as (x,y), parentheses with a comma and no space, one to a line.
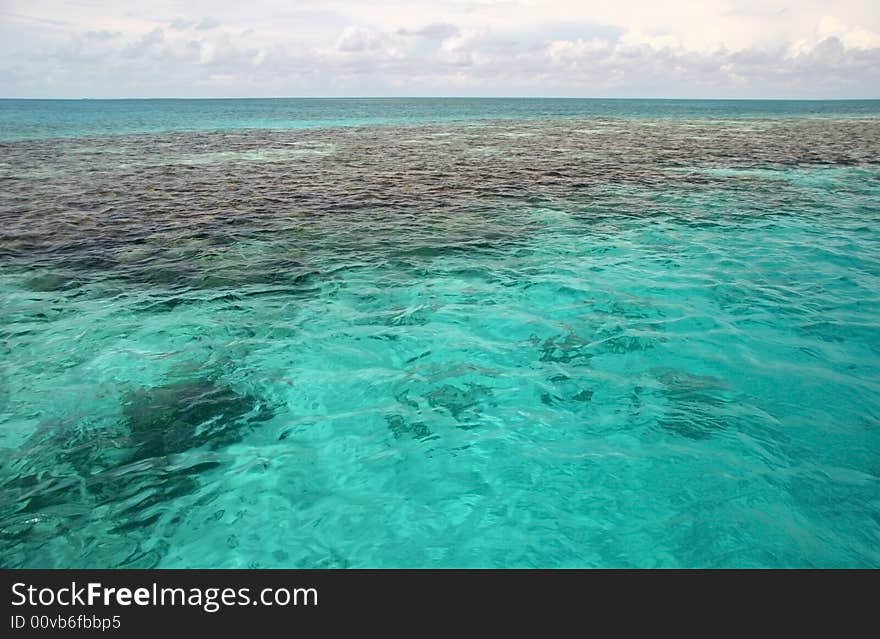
(614,334)
(29,119)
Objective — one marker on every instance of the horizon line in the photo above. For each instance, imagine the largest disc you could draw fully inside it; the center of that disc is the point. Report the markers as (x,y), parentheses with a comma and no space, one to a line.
(446,97)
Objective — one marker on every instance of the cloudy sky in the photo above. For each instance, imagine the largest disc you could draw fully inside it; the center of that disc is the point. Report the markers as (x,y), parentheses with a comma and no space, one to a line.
(609,48)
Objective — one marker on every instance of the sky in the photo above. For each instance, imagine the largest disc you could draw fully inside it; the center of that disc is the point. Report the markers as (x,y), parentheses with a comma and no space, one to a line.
(610,48)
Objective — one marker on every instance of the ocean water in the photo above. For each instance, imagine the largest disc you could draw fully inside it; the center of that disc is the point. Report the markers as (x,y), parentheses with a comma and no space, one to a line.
(439,333)
(34,119)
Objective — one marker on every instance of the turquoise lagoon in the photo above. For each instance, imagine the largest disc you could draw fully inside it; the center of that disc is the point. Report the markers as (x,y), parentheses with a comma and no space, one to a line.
(439,333)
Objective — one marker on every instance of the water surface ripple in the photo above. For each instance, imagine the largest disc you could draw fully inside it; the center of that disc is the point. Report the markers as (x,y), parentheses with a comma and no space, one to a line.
(581,341)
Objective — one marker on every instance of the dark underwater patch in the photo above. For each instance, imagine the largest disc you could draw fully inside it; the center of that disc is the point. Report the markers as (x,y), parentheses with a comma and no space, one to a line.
(50,283)
(133,469)
(565,349)
(176,417)
(460,402)
(696,403)
(566,391)
(400,427)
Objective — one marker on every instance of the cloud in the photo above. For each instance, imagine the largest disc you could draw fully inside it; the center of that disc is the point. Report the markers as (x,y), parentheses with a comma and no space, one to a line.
(180,24)
(721,49)
(207,24)
(21,17)
(849,36)
(358,39)
(101,34)
(145,44)
(434,31)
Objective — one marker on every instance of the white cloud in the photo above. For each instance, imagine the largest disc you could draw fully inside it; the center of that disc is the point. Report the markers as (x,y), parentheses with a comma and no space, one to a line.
(745,48)
(434,31)
(850,36)
(358,39)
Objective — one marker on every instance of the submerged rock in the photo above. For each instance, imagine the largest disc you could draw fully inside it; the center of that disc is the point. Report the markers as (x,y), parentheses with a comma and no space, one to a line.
(684,386)
(177,417)
(567,349)
(400,427)
(567,391)
(129,471)
(695,403)
(460,402)
(49,283)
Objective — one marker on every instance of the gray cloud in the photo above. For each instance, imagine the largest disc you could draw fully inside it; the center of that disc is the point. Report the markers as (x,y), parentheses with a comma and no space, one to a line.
(148,42)
(205,56)
(207,24)
(180,24)
(36,20)
(434,31)
(101,34)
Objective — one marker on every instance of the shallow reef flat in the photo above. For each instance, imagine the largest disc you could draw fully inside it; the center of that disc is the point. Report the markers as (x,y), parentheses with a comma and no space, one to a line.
(609,341)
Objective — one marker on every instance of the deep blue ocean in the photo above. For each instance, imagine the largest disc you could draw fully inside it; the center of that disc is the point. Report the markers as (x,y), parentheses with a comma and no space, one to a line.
(439,333)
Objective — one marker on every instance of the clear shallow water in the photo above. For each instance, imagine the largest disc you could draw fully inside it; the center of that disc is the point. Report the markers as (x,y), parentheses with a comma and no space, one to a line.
(615,340)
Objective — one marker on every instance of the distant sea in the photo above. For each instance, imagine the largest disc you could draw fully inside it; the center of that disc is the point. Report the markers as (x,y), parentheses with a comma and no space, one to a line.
(36,119)
(439,333)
